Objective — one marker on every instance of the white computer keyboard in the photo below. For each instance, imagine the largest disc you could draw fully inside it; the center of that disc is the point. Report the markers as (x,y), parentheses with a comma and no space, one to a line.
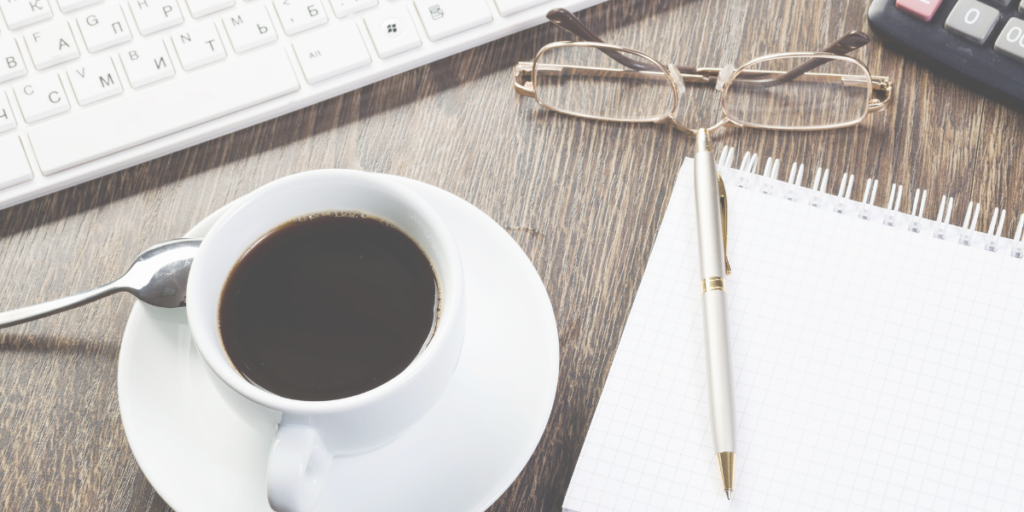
(89,87)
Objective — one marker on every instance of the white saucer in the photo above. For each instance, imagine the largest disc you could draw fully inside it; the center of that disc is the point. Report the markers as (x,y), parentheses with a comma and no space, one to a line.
(201,455)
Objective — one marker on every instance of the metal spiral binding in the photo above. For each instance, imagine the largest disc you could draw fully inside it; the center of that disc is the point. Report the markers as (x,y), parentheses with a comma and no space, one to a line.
(816,195)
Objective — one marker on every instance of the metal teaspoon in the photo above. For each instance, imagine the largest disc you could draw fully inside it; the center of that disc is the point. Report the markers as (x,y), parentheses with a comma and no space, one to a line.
(158,277)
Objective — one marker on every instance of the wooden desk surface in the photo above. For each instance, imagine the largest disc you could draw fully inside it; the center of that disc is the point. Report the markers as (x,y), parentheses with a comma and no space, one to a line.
(584,200)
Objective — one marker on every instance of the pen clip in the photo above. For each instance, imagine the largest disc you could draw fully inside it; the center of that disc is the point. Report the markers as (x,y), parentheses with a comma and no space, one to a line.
(725,222)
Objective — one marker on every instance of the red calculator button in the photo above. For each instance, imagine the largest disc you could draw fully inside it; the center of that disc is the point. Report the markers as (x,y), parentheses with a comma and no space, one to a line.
(923,9)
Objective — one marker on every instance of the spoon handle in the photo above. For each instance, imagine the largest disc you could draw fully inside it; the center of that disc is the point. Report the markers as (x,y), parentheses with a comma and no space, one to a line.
(29,313)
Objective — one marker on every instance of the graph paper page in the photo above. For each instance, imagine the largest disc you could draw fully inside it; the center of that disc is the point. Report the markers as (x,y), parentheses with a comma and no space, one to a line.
(875,369)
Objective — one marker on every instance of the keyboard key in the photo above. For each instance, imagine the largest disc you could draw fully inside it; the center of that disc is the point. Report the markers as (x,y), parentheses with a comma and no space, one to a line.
(51,45)
(198,46)
(156,15)
(332,52)
(392,30)
(104,27)
(250,28)
(172,106)
(7,121)
(1011,40)
(95,80)
(509,7)
(200,8)
(443,18)
(22,13)
(147,63)
(42,97)
(924,9)
(972,20)
(14,167)
(343,8)
(299,15)
(72,5)
(11,63)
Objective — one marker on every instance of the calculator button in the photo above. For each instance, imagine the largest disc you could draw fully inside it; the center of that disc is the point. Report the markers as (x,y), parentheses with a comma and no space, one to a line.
(443,18)
(1011,40)
(972,20)
(15,167)
(331,52)
(924,9)
(392,30)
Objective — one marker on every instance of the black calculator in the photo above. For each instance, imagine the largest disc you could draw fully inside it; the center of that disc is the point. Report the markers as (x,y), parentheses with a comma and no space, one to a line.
(979,43)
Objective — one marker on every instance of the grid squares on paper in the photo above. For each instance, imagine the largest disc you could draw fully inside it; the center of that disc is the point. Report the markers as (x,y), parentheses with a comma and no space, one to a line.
(875,369)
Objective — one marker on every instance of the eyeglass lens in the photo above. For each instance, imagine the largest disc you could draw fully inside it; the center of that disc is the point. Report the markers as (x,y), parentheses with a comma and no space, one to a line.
(582,80)
(835,92)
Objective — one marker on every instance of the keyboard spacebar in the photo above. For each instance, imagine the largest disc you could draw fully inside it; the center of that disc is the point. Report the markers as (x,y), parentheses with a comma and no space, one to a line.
(162,109)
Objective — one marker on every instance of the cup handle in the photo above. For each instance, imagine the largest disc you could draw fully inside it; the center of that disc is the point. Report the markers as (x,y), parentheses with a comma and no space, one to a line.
(297,470)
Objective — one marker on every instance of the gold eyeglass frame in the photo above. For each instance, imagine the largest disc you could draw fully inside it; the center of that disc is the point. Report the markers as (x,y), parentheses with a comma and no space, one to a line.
(524,86)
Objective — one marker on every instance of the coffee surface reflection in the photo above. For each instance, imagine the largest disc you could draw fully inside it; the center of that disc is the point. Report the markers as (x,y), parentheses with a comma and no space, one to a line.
(328,307)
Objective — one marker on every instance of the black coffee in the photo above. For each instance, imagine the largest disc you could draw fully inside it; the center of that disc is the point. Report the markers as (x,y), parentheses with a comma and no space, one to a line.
(328,307)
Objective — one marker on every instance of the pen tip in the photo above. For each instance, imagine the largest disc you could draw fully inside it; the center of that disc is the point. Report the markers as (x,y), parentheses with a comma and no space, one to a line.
(728,494)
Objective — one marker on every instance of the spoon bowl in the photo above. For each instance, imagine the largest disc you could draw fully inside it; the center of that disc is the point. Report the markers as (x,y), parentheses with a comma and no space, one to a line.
(157,277)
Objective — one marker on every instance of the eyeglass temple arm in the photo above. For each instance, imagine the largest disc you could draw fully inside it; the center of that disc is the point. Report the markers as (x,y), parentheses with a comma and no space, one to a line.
(568,21)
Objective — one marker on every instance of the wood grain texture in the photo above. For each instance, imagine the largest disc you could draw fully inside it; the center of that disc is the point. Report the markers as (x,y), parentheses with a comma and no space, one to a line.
(584,199)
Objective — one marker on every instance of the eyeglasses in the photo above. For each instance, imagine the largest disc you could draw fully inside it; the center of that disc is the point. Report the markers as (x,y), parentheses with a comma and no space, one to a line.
(788,91)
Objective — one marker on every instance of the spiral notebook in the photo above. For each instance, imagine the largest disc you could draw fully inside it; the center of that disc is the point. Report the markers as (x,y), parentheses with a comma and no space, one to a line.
(878,359)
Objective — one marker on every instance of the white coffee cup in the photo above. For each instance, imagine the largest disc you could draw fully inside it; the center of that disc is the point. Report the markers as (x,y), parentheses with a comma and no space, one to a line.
(311,433)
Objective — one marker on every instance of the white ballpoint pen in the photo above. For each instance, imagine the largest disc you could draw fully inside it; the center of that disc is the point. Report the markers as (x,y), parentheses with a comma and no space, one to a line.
(711,234)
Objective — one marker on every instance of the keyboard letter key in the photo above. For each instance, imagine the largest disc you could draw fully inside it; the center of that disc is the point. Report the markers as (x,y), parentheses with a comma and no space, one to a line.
(72,5)
(42,97)
(332,52)
(157,111)
(11,63)
(104,27)
(250,28)
(51,45)
(198,46)
(147,63)
(156,15)
(14,167)
(510,7)
(343,8)
(95,80)
(392,30)
(443,18)
(7,121)
(22,13)
(201,8)
(299,15)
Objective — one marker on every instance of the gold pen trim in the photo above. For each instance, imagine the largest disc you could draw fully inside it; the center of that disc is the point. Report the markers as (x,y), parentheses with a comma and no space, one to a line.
(727,465)
(712,283)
